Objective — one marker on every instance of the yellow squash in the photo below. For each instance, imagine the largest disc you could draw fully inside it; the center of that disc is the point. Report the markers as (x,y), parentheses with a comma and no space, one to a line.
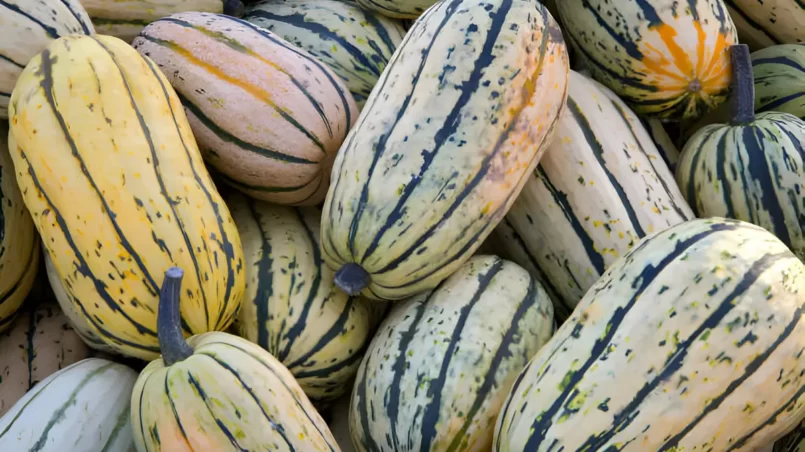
(116,186)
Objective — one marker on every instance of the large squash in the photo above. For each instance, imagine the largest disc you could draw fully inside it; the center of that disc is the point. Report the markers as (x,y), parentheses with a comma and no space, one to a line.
(666,59)
(116,186)
(779,73)
(692,341)
(764,23)
(441,148)
(26,28)
(218,392)
(266,114)
(438,369)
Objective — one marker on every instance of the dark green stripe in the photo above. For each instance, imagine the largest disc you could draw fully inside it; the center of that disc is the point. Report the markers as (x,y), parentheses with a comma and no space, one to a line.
(51,32)
(78,16)
(172,404)
(265,280)
(9,60)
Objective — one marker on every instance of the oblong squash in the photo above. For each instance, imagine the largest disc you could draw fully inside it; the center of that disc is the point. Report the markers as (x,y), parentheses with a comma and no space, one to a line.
(354,42)
(122,146)
(779,73)
(399,9)
(665,59)
(124,19)
(266,114)
(40,343)
(690,341)
(83,407)
(219,392)
(600,187)
(26,28)
(765,23)
(438,368)
(441,148)
(750,169)
(291,307)
(19,241)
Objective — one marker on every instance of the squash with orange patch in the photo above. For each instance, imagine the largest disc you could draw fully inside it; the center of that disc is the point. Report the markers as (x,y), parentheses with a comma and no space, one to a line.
(666,59)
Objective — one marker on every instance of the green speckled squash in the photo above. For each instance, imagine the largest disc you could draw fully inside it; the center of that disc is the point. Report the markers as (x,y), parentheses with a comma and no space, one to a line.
(752,168)
(692,341)
(666,59)
(779,73)
(440,150)
(438,368)
(665,143)
(291,307)
(356,43)
(764,23)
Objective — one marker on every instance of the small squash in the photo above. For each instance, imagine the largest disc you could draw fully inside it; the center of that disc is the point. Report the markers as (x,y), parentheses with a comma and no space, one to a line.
(218,392)
(750,169)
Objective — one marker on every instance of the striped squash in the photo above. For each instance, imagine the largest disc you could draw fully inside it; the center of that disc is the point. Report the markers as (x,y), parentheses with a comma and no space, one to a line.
(750,169)
(601,186)
(146,204)
(83,407)
(438,369)
(354,42)
(764,23)
(666,61)
(219,392)
(794,441)
(689,342)
(124,19)
(779,73)
(40,343)
(665,144)
(267,115)
(19,242)
(26,28)
(398,9)
(291,307)
(440,150)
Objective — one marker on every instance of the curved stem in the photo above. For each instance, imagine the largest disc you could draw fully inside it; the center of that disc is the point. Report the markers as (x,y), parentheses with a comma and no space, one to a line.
(233,8)
(352,278)
(743,85)
(172,343)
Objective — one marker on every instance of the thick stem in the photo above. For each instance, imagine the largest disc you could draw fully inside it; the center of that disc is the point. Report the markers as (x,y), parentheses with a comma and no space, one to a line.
(743,85)
(172,343)
(352,278)
(233,8)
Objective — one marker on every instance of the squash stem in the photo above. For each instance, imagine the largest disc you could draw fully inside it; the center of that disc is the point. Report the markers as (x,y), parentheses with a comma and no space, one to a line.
(172,343)
(352,278)
(743,85)
(233,8)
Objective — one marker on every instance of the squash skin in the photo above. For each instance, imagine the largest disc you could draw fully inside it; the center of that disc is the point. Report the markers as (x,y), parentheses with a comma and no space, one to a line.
(643,50)
(291,308)
(442,146)
(109,264)
(398,9)
(267,115)
(237,375)
(680,345)
(794,441)
(354,42)
(40,343)
(600,187)
(84,405)
(27,28)
(766,23)
(438,369)
(779,73)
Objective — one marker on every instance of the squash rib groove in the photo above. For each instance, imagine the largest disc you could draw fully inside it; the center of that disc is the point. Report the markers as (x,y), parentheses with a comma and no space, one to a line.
(85,27)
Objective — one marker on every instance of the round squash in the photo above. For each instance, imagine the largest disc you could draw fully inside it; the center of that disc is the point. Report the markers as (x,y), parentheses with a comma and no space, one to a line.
(218,392)
(666,59)
(438,369)
(19,242)
(267,115)
(765,23)
(399,9)
(41,342)
(119,193)
(750,169)
(83,407)
(291,307)
(354,42)
(26,28)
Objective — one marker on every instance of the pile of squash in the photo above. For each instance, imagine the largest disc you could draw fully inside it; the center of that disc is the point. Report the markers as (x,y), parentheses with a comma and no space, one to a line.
(402,225)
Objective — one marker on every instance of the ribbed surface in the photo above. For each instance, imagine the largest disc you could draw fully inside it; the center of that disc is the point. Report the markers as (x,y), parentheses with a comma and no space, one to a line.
(764,23)
(230,395)
(779,73)
(83,407)
(664,59)
(26,28)
(354,42)
(291,307)
(146,205)
(440,149)
(692,341)
(439,367)
(266,114)
(601,186)
(752,173)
